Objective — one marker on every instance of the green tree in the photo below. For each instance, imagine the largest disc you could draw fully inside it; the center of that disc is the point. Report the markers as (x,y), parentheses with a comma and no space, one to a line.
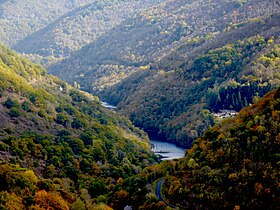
(62,118)
(10,103)
(15,112)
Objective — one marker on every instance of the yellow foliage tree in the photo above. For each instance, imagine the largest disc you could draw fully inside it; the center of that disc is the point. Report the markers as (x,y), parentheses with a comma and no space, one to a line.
(50,200)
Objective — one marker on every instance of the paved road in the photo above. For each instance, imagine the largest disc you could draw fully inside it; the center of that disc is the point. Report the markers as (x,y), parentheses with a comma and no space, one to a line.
(159,195)
(158,189)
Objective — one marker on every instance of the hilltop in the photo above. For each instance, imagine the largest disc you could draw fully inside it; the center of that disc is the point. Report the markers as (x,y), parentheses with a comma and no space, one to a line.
(19,18)
(79,27)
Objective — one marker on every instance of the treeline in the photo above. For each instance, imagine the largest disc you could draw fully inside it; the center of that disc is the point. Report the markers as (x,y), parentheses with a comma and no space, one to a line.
(235,97)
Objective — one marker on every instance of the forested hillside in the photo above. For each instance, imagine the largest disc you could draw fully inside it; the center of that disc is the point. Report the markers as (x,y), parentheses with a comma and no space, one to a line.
(234,165)
(175,68)
(20,18)
(207,56)
(80,27)
(229,71)
(151,35)
(59,149)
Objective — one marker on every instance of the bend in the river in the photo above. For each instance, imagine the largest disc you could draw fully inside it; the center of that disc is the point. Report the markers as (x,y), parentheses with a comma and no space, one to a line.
(167,151)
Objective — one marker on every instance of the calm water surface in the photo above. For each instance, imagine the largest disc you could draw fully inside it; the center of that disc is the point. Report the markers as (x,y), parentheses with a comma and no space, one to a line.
(108,106)
(168,151)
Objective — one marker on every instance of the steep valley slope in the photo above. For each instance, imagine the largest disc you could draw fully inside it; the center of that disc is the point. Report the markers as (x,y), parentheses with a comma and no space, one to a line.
(151,35)
(177,97)
(59,148)
(175,68)
(167,64)
(234,165)
(20,18)
(79,27)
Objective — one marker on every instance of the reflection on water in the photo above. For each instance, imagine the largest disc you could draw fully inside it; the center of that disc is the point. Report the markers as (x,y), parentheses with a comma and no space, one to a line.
(168,151)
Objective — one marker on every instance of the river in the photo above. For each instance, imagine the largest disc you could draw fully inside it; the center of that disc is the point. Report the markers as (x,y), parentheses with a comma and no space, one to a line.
(108,106)
(167,151)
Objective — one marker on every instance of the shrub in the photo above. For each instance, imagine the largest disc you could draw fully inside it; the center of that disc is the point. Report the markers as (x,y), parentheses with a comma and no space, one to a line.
(62,119)
(10,103)
(26,106)
(78,123)
(15,112)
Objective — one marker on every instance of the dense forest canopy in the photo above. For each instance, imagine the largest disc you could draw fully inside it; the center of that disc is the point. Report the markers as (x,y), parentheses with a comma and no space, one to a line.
(58,146)
(19,18)
(207,56)
(234,165)
(178,101)
(80,27)
(203,64)
(59,149)
(175,68)
(151,35)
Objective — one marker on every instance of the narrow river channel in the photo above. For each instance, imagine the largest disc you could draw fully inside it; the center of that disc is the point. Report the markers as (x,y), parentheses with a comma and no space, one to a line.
(167,151)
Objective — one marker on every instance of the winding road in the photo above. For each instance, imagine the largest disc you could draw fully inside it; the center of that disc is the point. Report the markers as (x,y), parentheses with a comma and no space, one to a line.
(158,189)
(159,195)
